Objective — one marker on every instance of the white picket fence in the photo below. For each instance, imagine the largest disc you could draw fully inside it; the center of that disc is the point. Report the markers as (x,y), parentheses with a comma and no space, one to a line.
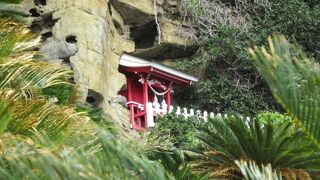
(155,109)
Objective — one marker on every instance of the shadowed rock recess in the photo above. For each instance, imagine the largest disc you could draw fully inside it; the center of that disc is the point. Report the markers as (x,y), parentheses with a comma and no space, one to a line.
(90,36)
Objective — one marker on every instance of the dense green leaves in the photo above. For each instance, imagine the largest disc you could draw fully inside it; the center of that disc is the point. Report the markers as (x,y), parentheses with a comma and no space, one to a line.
(179,129)
(93,154)
(294,80)
(11,1)
(224,140)
(226,66)
(5,117)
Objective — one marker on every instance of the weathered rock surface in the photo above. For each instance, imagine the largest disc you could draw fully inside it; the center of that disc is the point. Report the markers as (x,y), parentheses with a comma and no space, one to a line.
(91,35)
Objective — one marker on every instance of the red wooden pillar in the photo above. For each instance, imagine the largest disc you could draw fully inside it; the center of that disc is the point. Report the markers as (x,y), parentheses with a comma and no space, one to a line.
(129,84)
(168,98)
(145,100)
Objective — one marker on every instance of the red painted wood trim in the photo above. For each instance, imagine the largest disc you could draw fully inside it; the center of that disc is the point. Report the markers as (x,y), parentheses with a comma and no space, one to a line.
(145,98)
(131,106)
(156,72)
(168,98)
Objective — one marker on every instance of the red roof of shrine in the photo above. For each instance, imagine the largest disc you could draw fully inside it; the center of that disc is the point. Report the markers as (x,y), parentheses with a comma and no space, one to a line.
(137,65)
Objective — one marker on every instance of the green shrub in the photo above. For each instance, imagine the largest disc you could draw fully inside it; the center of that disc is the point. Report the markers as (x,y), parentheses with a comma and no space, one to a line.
(229,81)
(273,118)
(180,130)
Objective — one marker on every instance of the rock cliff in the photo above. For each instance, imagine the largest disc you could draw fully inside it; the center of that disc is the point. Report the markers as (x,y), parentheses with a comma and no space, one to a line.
(90,36)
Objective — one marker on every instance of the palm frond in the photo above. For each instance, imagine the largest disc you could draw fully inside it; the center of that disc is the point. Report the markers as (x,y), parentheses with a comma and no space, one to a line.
(11,1)
(5,116)
(14,37)
(23,79)
(40,115)
(103,157)
(15,11)
(224,140)
(251,171)
(294,81)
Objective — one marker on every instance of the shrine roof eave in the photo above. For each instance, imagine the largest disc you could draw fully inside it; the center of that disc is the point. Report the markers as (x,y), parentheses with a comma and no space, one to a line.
(154,73)
(141,65)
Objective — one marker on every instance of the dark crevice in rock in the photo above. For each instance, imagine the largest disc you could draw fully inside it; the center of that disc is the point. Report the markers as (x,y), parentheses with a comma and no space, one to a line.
(40,2)
(109,7)
(118,27)
(46,35)
(166,51)
(131,16)
(94,98)
(71,39)
(46,22)
(144,36)
(34,12)
(66,60)
(72,80)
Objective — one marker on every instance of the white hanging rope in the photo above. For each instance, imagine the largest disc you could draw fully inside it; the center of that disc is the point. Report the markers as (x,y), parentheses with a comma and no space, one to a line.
(156,92)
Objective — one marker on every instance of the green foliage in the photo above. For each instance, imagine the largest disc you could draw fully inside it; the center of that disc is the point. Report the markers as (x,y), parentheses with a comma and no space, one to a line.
(11,1)
(5,116)
(62,92)
(295,19)
(11,33)
(180,130)
(96,115)
(294,81)
(275,118)
(224,140)
(93,155)
(227,67)
(222,96)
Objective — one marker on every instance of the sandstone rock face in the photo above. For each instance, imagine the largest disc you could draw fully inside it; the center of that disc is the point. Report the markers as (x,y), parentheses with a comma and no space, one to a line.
(91,35)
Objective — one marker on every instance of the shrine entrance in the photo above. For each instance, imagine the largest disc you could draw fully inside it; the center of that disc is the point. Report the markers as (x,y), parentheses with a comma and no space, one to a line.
(149,87)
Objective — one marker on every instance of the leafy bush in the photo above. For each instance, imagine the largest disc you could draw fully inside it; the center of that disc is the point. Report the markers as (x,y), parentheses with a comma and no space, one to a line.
(224,140)
(229,81)
(273,118)
(180,130)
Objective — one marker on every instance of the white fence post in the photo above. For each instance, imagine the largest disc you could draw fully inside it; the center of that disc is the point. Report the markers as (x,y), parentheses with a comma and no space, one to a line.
(156,108)
(191,112)
(150,119)
(171,109)
(164,107)
(205,116)
(211,115)
(178,112)
(185,112)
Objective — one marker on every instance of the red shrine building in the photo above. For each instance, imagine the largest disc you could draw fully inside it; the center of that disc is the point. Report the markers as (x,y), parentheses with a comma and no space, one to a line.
(148,90)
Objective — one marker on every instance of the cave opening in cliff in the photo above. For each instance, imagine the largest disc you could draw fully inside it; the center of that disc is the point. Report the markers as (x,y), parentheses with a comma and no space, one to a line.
(46,35)
(118,27)
(94,98)
(144,36)
(34,12)
(71,39)
(40,2)
(45,22)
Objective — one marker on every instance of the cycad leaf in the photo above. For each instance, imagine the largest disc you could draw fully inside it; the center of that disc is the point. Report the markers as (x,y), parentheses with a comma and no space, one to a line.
(294,81)
(5,116)
(252,171)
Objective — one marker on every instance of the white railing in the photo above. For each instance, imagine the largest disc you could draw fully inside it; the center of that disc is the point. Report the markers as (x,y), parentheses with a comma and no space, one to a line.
(154,109)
